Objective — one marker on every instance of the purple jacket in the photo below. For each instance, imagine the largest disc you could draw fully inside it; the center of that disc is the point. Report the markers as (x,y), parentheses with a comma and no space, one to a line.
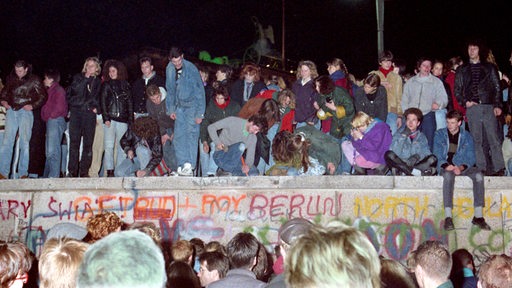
(376,141)
(56,106)
(306,95)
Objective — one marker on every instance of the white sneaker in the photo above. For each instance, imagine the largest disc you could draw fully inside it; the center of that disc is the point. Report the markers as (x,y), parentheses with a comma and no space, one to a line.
(186,170)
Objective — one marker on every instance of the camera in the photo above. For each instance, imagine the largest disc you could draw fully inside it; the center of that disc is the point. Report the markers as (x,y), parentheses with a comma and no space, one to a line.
(328,99)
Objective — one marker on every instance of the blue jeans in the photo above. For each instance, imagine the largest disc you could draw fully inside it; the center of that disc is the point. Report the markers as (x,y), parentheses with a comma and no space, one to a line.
(127,167)
(440,119)
(344,167)
(186,133)
(428,127)
(112,136)
(302,124)
(21,120)
(391,121)
(208,166)
(230,161)
(478,186)
(54,130)
(271,133)
(509,167)
(169,153)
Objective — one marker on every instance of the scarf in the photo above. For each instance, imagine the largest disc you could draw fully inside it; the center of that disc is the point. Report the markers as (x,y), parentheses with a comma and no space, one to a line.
(385,72)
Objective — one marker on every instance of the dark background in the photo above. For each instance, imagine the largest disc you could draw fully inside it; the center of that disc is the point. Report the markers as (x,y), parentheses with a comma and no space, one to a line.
(62,33)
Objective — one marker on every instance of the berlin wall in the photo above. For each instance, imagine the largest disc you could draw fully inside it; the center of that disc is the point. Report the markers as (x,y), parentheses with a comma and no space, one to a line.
(396,213)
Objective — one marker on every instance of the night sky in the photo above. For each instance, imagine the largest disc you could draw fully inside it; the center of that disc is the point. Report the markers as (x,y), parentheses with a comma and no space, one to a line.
(61,34)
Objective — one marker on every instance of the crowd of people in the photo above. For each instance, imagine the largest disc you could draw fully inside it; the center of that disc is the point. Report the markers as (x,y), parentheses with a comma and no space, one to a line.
(445,119)
(111,254)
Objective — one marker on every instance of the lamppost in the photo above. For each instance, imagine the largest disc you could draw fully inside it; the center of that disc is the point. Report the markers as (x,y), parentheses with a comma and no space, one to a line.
(379,5)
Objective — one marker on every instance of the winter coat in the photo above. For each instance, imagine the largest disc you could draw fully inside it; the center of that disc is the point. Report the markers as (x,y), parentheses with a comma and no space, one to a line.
(116,101)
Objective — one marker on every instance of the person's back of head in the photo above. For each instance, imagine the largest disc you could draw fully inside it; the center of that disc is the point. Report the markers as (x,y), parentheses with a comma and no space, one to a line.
(243,251)
(182,275)
(101,225)
(433,263)
(393,274)
(182,250)
(332,257)
(496,272)
(59,262)
(292,230)
(15,262)
(213,246)
(461,259)
(121,260)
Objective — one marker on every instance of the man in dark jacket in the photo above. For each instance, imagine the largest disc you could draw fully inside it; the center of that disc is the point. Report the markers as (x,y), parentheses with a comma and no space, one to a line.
(22,94)
(477,88)
(139,86)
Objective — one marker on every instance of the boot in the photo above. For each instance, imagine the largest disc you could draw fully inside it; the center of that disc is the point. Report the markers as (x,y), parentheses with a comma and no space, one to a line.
(359,170)
(394,161)
(110,173)
(381,170)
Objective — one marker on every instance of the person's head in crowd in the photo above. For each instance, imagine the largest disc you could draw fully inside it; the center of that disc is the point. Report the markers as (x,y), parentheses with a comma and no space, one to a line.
(121,260)
(336,64)
(413,118)
(250,72)
(59,262)
(270,110)
(198,246)
(68,230)
(361,121)
(182,250)
(275,82)
(291,231)
(424,66)
(215,246)
(324,85)
(92,67)
(146,66)
(334,256)
(154,94)
(307,70)
(214,266)
(15,263)
(454,62)
(204,72)
(101,225)
(223,72)
(399,67)
(221,96)
(386,60)
(411,262)
(263,269)
(438,68)
(393,274)
(114,70)
(462,261)
(51,76)
(371,83)
(182,275)
(495,272)
(176,57)
(148,228)
(22,69)
(243,251)
(145,127)
(433,264)
(257,123)
(286,98)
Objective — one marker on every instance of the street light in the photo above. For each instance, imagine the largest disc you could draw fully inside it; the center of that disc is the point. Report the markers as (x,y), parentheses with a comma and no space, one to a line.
(379,7)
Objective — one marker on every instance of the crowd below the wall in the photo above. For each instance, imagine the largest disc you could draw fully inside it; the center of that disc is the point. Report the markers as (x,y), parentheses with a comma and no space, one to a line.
(109,253)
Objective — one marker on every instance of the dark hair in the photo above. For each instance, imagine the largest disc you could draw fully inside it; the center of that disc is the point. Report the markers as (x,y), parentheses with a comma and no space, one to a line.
(483,50)
(454,114)
(182,275)
(215,261)
(270,110)
(421,60)
(252,69)
(225,69)
(456,60)
(325,83)
(461,258)
(373,80)
(121,70)
(260,121)
(414,111)
(338,62)
(145,59)
(175,52)
(145,127)
(53,74)
(221,90)
(386,55)
(401,65)
(242,250)
(24,64)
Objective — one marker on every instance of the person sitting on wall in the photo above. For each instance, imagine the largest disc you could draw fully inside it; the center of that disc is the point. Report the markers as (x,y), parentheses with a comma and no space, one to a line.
(143,146)
(409,152)
(455,152)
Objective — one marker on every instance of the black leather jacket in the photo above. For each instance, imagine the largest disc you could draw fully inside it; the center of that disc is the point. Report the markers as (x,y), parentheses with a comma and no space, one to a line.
(83,93)
(130,141)
(116,101)
(20,92)
(488,89)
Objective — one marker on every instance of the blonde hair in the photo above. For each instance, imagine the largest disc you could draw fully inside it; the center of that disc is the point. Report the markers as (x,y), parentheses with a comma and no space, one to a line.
(96,61)
(102,224)
(361,119)
(312,67)
(332,257)
(182,250)
(435,259)
(496,272)
(59,262)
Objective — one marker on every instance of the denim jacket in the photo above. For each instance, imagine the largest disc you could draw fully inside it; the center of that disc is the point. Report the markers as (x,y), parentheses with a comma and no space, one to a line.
(187,91)
(465,153)
(405,148)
